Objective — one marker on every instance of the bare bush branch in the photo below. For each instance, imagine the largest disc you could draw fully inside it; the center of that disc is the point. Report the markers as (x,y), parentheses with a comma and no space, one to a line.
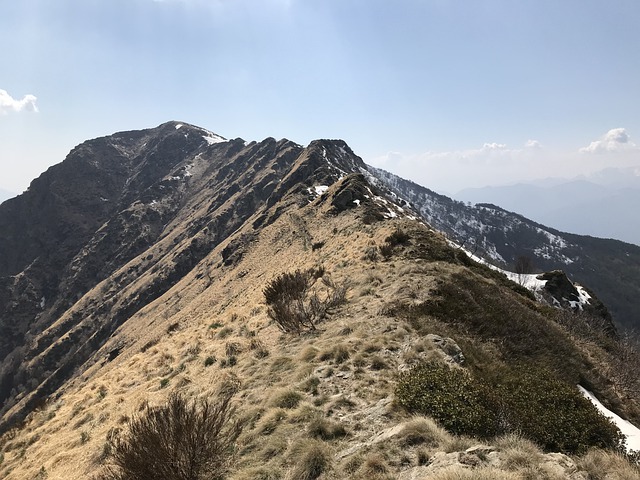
(295,306)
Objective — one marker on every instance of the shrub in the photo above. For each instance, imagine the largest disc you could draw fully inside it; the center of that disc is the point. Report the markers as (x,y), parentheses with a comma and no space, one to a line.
(450,396)
(398,237)
(526,400)
(371,254)
(229,361)
(294,306)
(552,413)
(180,440)
(258,348)
(386,250)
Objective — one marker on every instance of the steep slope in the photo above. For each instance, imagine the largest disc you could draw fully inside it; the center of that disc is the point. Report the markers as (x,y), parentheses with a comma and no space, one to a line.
(167,295)
(608,267)
(116,225)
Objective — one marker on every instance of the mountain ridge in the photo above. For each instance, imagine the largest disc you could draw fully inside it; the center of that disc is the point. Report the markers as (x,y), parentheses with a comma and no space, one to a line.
(165,294)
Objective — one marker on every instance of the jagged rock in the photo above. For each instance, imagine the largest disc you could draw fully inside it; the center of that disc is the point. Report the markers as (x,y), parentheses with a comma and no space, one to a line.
(561,291)
(559,286)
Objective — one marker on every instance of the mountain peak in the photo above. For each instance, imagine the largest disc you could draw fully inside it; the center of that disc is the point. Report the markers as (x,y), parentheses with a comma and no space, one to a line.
(137,268)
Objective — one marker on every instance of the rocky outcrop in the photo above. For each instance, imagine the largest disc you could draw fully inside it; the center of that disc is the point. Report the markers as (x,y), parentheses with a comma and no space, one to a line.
(562,292)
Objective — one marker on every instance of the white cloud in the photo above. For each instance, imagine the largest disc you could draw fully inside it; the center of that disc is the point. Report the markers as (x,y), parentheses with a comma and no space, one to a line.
(450,171)
(10,104)
(488,147)
(615,140)
(533,144)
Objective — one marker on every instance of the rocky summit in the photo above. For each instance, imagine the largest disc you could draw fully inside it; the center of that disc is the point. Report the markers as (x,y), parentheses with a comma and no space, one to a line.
(336,317)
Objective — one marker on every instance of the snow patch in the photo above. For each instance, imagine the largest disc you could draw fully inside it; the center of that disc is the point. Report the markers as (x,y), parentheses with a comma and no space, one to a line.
(529,281)
(629,430)
(178,126)
(317,190)
(212,138)
(583,298)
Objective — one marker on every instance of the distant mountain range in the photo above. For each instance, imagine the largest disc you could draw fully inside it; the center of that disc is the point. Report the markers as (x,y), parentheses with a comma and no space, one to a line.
(601,205)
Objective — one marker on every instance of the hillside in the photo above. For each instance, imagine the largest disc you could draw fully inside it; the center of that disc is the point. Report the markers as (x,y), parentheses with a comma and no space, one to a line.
(610,268)
(162,289)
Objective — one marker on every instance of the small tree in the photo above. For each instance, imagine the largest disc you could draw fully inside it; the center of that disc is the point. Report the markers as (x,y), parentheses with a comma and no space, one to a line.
(180,440)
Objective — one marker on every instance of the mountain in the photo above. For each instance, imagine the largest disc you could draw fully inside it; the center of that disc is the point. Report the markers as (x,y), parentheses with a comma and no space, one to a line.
(598,205)
(318,292)
(610,268)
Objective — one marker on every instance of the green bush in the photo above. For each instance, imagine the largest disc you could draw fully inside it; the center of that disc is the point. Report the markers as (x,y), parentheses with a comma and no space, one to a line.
(524,399)
(450,396)
(552,413)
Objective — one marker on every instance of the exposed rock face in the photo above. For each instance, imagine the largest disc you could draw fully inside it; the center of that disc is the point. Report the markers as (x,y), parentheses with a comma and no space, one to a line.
(560,291)
(120,221)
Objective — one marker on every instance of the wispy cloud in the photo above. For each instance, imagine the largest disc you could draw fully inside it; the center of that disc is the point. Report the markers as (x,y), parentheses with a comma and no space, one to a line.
(615,140)
(9,104)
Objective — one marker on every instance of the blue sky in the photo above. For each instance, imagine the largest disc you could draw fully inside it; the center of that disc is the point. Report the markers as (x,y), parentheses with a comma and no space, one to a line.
(449,93)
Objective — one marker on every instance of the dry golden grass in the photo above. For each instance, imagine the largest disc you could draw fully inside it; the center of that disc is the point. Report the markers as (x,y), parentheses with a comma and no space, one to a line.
(462,473)
(342,376)
(517,452)
(603,465)
(424,431)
